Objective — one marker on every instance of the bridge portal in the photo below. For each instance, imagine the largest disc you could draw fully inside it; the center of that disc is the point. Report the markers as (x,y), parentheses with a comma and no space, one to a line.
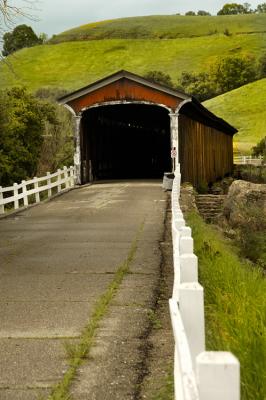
(125,141)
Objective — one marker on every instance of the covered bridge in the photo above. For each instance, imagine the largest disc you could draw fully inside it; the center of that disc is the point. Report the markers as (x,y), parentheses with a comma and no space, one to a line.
(126,127)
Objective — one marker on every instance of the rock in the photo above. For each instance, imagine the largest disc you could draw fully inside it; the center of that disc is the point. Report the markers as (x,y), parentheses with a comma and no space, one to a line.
(187,198)
(242,195)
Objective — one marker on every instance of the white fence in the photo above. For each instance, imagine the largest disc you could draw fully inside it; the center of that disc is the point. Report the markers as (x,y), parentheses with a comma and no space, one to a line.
(198,374)
(18,194)
(248,160)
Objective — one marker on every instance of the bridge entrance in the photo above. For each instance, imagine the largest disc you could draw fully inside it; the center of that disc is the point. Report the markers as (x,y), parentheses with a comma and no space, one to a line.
(125,141)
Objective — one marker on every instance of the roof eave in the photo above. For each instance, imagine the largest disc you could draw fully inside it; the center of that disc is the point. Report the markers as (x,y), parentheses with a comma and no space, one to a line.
(114,78)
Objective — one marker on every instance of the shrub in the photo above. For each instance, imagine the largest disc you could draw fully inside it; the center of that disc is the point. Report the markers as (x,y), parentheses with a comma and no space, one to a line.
(22,126)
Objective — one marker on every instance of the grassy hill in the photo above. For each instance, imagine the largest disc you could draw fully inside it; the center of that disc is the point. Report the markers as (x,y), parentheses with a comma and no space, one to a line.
(71,65)
(244,108)
(171,44)
(165,27)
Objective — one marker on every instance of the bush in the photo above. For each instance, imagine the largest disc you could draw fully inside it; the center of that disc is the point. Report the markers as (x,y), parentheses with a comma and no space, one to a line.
(159,77)
(250,173)
(22,126)
(252,235)
(57,148)
(260,149)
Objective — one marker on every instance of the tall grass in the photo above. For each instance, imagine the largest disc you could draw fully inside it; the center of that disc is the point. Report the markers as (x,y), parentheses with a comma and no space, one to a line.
(235,306)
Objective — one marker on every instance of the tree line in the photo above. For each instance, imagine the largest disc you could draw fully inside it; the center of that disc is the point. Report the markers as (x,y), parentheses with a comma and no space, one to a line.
(232,9)
(224,75)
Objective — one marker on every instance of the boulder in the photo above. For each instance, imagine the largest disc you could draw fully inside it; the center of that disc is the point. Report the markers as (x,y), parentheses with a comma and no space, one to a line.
(242,196)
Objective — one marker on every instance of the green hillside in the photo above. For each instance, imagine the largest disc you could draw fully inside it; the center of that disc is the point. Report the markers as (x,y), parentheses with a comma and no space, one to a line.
(244,108)
(165,27)
(72,65)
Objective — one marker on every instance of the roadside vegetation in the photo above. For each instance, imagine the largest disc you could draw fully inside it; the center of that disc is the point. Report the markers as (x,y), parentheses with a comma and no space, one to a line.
(235,305)
(35,135)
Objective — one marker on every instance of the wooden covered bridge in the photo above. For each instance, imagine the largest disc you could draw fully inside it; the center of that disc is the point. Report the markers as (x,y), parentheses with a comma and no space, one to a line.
(126,127)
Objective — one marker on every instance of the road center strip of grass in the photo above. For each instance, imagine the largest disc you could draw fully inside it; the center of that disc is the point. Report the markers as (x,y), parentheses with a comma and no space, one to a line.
(78,353)
(235,305)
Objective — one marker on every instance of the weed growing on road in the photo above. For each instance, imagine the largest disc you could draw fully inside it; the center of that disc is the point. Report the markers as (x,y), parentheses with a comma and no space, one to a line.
(78,352)
(235,305)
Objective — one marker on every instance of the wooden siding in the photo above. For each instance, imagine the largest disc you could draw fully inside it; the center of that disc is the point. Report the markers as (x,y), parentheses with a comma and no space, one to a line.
(124,89)
(205,153)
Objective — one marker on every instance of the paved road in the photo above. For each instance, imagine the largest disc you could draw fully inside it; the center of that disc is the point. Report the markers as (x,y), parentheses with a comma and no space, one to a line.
(56,260)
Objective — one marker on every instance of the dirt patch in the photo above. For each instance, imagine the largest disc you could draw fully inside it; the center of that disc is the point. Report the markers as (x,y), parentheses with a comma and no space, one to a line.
(157,382)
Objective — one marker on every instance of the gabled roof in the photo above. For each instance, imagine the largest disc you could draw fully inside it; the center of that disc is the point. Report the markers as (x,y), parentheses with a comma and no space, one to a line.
(189,106)
(116,77)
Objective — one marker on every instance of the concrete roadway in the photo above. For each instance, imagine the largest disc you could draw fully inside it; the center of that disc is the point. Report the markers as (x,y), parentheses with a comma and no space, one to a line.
(56,260)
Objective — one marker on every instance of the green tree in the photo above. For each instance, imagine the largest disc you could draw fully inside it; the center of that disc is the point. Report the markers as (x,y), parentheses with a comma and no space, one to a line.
(261,8)
(200,85)
(203,13)
(235,8)
(22,125)
(58,146)
(260,149)
(159,77)
(190,13)
(232,72)
(22,36)
(262,66)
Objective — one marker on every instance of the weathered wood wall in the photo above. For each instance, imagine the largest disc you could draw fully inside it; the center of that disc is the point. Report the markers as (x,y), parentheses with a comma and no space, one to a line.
(205,153)
(124,89)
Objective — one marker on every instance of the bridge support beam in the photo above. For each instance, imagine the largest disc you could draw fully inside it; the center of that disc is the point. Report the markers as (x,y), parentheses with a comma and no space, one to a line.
(77,154)
(174,143)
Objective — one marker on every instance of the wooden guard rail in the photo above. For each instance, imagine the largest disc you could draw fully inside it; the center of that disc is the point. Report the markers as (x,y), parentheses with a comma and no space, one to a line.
(18,194)
(198,374)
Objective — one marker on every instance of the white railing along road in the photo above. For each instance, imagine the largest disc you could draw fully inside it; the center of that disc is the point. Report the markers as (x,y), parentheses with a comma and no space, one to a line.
(18,194)
(198,374)
(248,160)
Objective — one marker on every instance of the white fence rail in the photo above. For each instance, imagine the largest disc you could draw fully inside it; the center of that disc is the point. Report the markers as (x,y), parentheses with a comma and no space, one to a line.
(18,194)
(198,374)
(249,160)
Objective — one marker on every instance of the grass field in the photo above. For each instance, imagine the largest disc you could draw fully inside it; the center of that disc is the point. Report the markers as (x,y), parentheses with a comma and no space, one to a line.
(74,64)
(244,108)
(165,27)
(235,306)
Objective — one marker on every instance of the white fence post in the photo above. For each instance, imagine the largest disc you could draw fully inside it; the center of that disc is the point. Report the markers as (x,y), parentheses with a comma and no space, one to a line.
(25,195)
(36,187)
(59,187)
(186,245)
(16,202)
(218,376)
(49,184)
(188,268)
(66,178)
(191,305)
(72,178)
(2,207)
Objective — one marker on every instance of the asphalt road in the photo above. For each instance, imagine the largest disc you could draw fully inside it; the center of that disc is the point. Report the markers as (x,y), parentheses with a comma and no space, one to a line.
(56,260)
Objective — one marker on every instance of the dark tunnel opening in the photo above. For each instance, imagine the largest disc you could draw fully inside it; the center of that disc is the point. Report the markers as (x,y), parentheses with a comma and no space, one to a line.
(125,141)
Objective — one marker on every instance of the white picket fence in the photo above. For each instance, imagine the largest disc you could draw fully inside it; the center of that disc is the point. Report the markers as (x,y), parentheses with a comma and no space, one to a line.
(18,194)
(249,160)
(198,374)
